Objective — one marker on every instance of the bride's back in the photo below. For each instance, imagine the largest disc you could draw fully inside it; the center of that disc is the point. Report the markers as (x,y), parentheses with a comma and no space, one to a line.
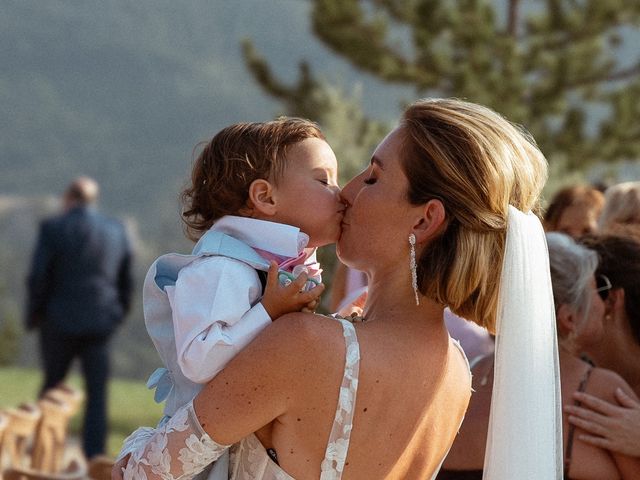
(426,220)
(413,388)
(420,409)
(430,212)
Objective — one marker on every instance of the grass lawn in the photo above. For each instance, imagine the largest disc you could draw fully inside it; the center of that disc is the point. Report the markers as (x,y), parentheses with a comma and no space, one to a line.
(130,403)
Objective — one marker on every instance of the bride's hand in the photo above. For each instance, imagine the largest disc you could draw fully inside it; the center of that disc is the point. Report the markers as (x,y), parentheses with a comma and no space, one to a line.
(118,467)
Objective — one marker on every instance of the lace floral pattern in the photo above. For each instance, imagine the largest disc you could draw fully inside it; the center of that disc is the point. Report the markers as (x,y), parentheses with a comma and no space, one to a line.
(338,446)
(249,461)
(180,449)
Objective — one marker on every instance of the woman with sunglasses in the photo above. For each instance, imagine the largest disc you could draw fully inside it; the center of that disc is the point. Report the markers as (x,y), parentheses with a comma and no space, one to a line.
(577,292)
(616,346)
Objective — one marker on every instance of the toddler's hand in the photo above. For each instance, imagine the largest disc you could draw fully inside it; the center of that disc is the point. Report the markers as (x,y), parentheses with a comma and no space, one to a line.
(311,306)
(278,299)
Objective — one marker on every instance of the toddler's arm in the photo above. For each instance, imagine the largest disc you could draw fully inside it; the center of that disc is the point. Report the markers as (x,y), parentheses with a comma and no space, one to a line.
(216,312)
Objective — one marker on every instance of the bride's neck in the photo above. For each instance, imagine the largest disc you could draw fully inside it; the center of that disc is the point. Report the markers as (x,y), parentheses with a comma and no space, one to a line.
(391,299)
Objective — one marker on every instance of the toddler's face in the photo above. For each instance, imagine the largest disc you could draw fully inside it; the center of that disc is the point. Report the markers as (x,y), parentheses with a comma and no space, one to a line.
(307,195)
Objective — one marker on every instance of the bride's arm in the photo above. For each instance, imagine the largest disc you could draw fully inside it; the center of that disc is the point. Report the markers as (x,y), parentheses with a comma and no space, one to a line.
(179,449)
(261,383)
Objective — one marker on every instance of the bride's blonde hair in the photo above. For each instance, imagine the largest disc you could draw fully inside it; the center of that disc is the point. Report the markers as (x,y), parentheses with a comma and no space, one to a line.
(477,163)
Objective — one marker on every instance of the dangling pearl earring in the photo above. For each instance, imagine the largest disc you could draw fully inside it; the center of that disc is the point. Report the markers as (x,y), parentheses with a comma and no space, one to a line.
(412,266)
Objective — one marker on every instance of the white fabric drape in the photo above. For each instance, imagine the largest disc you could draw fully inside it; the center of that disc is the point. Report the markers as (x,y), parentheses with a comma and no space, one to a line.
(525,427)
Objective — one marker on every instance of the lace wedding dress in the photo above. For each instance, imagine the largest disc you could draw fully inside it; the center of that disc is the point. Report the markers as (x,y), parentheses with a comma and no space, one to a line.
(181,449)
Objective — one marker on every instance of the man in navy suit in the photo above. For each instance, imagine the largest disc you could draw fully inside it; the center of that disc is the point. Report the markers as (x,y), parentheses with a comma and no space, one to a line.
(79,292)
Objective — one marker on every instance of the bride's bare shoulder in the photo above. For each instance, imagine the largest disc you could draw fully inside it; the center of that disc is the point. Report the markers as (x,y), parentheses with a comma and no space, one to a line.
(307,330)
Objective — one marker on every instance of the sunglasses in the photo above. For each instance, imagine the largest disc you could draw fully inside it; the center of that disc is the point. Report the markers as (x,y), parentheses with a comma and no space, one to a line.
(603,286)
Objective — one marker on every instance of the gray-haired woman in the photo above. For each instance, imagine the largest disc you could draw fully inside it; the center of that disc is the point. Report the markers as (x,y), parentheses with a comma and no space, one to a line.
(579,310)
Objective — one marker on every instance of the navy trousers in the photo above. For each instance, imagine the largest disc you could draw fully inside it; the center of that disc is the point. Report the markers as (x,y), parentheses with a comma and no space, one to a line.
(58,353)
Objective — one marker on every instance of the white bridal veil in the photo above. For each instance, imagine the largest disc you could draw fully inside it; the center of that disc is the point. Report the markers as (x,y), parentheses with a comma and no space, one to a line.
(525,426)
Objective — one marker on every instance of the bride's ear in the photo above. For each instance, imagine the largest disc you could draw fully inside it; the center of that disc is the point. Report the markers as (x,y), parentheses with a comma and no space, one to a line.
(261,198)
(431,221)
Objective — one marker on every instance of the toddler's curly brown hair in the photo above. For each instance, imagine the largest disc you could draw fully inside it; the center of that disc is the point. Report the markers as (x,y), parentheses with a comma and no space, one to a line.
(231,161)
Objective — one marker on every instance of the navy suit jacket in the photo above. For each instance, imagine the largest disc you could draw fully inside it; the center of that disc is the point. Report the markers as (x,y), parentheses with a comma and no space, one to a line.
(80,281)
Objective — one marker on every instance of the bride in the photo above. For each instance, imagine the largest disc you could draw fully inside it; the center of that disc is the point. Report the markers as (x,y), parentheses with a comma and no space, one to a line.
(441,217)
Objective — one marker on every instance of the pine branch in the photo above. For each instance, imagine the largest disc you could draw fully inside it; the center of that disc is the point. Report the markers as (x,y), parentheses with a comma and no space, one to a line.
(512,24)
(625,74)
(399,10)
(262,72)
(530,67)
(561,39)
(342,26)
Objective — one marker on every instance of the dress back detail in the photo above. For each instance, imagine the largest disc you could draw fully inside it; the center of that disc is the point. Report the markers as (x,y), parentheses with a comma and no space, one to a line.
(180,448)
(338,446)
(249,459)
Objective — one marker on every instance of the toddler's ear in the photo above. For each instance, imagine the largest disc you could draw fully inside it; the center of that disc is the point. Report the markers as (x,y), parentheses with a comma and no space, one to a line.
(261,197)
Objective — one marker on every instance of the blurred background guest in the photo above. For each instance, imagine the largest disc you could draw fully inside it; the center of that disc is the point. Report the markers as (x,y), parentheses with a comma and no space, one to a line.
(616,345)
(622,206)
(628,230)
(79,291)
(578,306)
(610,426)
(574,210)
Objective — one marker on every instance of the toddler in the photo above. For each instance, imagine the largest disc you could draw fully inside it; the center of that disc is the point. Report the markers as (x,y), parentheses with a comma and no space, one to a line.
(262,197)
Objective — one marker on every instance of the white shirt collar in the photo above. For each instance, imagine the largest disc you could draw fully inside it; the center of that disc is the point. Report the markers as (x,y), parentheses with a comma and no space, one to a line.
(278,238)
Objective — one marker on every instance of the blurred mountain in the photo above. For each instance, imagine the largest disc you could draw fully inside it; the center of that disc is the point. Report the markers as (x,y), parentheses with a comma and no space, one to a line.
(124,91)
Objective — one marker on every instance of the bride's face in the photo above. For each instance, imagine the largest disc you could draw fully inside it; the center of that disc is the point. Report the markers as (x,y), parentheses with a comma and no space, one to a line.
(378,220)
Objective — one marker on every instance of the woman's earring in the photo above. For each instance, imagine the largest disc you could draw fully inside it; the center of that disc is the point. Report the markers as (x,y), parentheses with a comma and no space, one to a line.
(412,266)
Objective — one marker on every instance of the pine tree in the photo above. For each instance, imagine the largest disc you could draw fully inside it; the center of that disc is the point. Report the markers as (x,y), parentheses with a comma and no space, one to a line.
(552,66)
(350,133)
